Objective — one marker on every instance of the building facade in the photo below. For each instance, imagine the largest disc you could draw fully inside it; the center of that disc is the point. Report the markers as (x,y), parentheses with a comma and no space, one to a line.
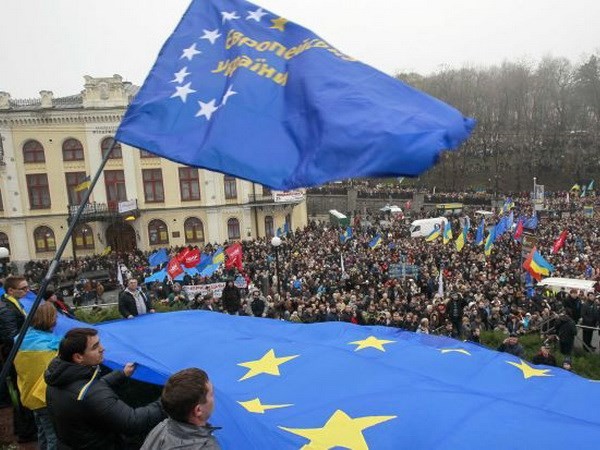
(49,147)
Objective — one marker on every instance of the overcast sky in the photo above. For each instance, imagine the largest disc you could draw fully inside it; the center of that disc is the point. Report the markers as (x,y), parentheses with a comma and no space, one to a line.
(52,44)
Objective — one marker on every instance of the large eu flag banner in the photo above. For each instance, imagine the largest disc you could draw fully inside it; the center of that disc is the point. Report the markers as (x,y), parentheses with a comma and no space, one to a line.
(243,91)
(281,385)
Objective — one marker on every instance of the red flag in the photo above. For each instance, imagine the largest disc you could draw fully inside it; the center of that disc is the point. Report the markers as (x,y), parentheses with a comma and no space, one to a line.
(174,268)
(234,256)
(519,230)
(182,254)
(560,241)
(192,258)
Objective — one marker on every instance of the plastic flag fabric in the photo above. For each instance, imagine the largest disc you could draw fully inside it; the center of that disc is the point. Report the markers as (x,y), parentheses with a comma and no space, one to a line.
(240,90)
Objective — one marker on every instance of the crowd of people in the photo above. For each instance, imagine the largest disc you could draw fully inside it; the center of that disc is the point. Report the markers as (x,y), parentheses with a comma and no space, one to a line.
(316,277)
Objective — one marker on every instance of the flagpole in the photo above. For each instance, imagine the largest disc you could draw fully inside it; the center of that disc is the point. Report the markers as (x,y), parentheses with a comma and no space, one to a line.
(53,266)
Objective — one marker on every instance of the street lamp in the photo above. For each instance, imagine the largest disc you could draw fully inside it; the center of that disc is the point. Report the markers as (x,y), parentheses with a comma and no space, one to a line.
(4,254)
(276,242)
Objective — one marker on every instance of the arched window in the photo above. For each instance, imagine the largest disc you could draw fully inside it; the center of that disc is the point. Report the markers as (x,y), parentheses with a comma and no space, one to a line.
(44,239)
(194,230)
(83,237)
(269,227)
(72,150)
(4,241)
(158,232)
(233,229)
(33,152)
(105,145)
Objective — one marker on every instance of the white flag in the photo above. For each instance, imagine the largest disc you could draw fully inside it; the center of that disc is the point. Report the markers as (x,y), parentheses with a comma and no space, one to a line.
(441,285)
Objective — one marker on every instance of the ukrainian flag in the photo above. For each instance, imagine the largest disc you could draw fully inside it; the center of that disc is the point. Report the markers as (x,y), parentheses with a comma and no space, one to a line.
(218,256)
(461,240)
(375,242)
(346,235)
(537,266)
(434,234)
(85,184)
(489,242)
(447,233)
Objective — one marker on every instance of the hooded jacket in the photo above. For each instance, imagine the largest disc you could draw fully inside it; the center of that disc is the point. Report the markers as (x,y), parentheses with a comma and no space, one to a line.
(87,413)
(171,434)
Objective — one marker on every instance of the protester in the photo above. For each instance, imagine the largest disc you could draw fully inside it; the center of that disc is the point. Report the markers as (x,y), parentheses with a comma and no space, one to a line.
(511,345)
(544,357)
(188,400)
(12,317)
(133,302)
(39,347)
(86,411)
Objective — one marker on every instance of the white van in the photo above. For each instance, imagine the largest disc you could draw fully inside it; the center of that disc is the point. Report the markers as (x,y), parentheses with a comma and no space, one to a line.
(424,227)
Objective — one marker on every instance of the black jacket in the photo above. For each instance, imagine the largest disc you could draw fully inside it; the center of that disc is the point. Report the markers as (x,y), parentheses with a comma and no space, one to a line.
(11,321)
(97,420)
(127,306)
(231,299)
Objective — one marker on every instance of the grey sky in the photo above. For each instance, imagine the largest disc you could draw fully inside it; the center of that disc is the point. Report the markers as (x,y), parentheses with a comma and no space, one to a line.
(51,44)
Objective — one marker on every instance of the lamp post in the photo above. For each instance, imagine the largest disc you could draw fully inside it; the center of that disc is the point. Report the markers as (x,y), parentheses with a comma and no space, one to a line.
(276,242)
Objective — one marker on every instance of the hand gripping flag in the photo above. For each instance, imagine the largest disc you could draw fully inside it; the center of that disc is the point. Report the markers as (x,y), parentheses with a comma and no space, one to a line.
(243,91)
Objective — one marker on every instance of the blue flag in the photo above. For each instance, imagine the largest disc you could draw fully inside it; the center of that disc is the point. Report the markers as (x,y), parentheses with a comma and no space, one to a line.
(375,242)
(243,91)
(346,235)
(480,232)
(158,257)
(266,396)
(531,222)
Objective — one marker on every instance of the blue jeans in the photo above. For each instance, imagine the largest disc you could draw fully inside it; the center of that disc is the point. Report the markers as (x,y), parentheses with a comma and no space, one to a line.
(46,435)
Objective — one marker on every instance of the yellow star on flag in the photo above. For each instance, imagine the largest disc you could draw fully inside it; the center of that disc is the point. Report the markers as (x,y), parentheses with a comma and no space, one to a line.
(529,371)
(268,364)
(279,23)
(372,342)
(341,430)
(256,406)
(455,350)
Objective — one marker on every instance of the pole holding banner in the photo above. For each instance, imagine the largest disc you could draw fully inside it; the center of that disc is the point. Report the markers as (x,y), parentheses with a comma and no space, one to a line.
(53,266)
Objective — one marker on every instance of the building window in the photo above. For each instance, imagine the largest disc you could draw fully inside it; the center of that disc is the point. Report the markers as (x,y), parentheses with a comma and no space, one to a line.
(33,152)
(4,241)
(158,232)
(153,185)
(114,180)
(105,146)
(74,179)
(72,150)
(233,229)
(230,187)
(44,240)
(269,226)
(194,230)
(145,154)
(39,193)
(83,238)
(189,183)
(266,192)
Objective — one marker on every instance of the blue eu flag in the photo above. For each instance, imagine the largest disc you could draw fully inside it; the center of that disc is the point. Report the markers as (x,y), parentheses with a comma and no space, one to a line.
(280,385)
(243,91)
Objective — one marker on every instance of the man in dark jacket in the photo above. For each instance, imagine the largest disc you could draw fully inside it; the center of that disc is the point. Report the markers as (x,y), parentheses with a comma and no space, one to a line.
(86,412)
(133,302)
(566,331)
(590,314)
(231,298)
(511,345)
(188,399)
(12,317)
